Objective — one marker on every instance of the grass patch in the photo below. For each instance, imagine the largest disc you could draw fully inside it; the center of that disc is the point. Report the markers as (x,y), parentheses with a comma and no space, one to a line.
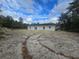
(1,32)
(1,36)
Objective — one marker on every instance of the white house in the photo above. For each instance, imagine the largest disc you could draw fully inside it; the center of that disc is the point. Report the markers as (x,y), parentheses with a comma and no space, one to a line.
(45,26)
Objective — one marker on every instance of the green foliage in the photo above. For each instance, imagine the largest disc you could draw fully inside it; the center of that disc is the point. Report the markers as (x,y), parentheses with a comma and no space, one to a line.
(10,23)
(70,21)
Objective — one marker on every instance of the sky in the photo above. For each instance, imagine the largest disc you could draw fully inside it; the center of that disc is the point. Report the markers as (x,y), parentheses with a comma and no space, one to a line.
(34,11)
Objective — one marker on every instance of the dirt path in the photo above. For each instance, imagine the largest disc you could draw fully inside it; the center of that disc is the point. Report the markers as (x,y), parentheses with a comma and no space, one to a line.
(10,47)
(56,45)
(40,51)
(23,44)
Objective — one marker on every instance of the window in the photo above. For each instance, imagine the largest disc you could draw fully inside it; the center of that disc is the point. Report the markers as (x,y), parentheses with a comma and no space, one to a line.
(35,28)
(49,27)
(43,27)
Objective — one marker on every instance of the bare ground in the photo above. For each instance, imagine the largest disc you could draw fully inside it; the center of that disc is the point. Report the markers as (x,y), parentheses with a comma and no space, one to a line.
(24,44)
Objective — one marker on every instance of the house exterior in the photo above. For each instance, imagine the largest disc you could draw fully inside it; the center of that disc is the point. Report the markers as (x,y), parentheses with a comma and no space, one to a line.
(45,26)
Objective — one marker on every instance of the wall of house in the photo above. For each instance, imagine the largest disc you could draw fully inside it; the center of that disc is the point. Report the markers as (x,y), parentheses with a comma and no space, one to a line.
(41,28)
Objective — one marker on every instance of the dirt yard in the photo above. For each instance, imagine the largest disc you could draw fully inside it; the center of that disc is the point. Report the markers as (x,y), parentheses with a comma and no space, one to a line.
(24,44)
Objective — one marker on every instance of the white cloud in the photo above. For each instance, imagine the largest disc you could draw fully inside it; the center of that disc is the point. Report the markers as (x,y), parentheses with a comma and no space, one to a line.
(27,6)
(41,21)
(61,6)
(58,9)
(53,19)
(28,19)
(12,7)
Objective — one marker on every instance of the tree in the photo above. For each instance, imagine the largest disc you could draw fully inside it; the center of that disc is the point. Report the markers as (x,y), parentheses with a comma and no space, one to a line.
(9,22)
(70,20)
(65,21)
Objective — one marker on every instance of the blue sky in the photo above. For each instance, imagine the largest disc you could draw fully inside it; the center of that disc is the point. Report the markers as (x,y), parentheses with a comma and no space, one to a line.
(33,11)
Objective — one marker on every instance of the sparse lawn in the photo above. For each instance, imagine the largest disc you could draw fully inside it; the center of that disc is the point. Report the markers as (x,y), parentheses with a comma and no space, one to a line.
(1,34)
(1,31)
(49,43)
(4,32)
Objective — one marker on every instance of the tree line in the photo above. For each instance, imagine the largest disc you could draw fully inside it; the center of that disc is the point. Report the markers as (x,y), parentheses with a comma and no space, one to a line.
(69,21)
(9,22)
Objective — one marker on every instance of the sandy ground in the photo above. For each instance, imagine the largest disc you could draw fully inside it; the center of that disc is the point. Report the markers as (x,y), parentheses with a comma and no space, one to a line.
(40,45)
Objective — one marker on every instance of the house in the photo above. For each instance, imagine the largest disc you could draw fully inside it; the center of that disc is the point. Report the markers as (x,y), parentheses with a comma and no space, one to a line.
(45,26)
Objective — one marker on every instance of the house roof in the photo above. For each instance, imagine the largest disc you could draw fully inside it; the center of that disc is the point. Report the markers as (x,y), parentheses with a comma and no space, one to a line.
(44,24)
